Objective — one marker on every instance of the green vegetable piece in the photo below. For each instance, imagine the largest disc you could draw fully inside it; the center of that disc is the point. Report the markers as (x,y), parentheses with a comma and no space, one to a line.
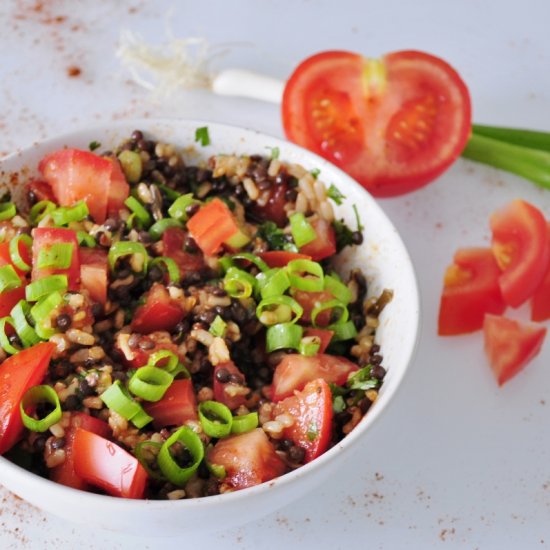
(202,136)
(132,165)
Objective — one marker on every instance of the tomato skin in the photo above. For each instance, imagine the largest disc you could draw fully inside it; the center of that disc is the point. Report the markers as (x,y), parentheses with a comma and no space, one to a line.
(108,466)
(249,459)
(160,312)
(520,243)
(118,189)
(178,405)
(324,245)
(9,299)
(18,373)
(65,472)
(94,273)
(162,340)
(295,371)
(222,390)
(173,241)
(394,125)
(540,302)
(471,289)
(280,258)
(510,345)
(44,238)
(5,257)
(312,412)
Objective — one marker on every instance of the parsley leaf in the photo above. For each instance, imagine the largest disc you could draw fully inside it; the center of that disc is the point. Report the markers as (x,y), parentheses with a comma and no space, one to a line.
(275,237)
(202,136)
(94,145)
(344,235)
(362,380)
(359,224)
(335,194)
(338,404)
(315,173)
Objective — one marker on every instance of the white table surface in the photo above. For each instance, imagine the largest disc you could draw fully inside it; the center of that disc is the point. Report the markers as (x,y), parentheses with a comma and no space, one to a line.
(456,462)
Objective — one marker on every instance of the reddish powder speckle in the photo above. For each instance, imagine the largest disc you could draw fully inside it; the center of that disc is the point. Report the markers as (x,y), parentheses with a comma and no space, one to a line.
(73,71)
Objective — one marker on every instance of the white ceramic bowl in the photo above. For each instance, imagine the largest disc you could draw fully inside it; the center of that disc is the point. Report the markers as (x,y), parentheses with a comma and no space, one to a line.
(382,256)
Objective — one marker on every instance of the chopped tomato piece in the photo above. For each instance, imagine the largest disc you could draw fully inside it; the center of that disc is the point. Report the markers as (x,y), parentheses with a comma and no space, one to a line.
(18,373)
(178,405)
(471,289)
(248,459)
(94,273)
(40,191)
(43,239)
(159,312)
(295,371)
(10,298)
(5,256)
(274,209)
(280,258)
(309,301)
(139,357)
(324,335)
(510,345)
(540,302)
(65,473)
(325,243)
(212,226)
(229,392)
(520,245)
(312,413)
(393,124)
(118,189)
(108,466)
(173,242)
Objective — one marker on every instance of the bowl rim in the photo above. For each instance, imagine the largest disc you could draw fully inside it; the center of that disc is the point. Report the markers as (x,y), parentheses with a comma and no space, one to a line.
(307,470)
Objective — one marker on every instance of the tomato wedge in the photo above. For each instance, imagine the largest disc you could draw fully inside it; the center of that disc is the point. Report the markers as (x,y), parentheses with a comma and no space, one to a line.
(178,405)
(65,473)
(312,412)
(510,345)
(43,239)
(470,290)
(108,466)
(520,243)
(248,459)
(295,371)
(393,124)
(18,373)
(94,273)
(160,312)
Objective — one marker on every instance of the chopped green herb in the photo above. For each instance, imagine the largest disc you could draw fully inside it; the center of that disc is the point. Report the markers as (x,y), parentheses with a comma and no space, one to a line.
(335,194)
(275,152)
(359,224)
(338,404)
(94,145)
(202,136)
(276,238)
(218,326)
(315,173)
(344,235)
(362,380)
(312,432)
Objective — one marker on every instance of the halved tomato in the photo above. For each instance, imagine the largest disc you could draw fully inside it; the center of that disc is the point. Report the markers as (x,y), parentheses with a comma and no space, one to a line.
(470,291)
(312,413)
(248,459)
(159,312)
(393,124)
(325,243)
(295,371)
(178,405)
(520,245)
(510,345)
(94,273)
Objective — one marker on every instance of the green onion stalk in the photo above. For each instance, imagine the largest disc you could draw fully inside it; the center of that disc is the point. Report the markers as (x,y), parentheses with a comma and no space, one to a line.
(522,152)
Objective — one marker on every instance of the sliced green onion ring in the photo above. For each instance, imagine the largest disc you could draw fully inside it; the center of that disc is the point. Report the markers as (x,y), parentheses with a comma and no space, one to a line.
(216,418)
(7,211)
(85,239)
(279,309)
(216,469)
(4,339)
(334,305)
(168,265)
(40,210)
(158,228)
(8,278)
(258,262)
(42,287)
(274,282)
(338,289)
(15,255)
(169,465)
(56,256)
(309,345)
(141,419)
(144,218)
(64,215)
(116,397)
(150,383)
(343,331)
(21,313)
(41,313)
(139,259)
(33,397)
(283,336)
(312,281)
(178,209)
(238,283)
(302,231)
(244,423)
(139,452)
(168,360)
